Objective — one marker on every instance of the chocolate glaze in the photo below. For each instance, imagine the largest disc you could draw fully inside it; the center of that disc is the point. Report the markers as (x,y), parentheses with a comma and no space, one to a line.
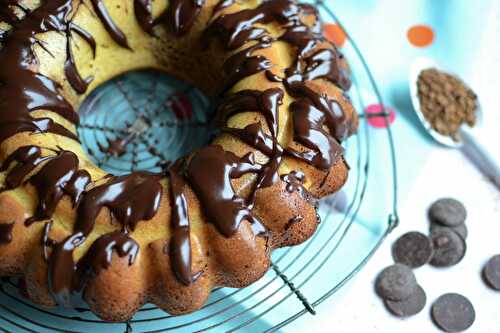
(131,198)
(254,136)
(223,4)
(22,90)
(67,280)
(46,240)
(309,122)
(7,13)
(273,77)
(236,29)
(319,125)
(6,233)
(179,247)
(209,173)
(243,64)
(144,14)
(295,181)
(181,15)
(58,177)
(61,269)
(313,110)
(76,81)
(267,102)
(98,256)
(113,30)
(27,158)
(85,35)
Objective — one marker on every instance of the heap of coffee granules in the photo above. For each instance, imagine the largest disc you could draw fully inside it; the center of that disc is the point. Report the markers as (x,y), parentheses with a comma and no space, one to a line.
(446,102)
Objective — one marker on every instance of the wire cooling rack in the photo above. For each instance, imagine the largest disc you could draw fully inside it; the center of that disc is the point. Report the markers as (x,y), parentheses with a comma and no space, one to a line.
(160,119)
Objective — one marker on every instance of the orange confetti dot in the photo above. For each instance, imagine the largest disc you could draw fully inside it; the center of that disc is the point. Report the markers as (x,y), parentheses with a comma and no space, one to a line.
(420,35)
(335,34)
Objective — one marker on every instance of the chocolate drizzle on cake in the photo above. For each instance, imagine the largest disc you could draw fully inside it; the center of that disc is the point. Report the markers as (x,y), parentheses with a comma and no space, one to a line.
(209,173)
(243,63)
(312,111)
(7,13)
(67,279)
(27,158)
(113,30)
(144,14)
(58,177)
(130,199)
(46,240)
(181,14)
(319,125)
(76,81)
(6,233)
(22,90)
(294,181)
(179,248)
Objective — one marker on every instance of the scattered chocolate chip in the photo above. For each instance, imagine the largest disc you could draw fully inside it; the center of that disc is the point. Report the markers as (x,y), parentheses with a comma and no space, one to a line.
(453,313)
(448,212)
(396,282)
(409,307)
(413,249)
(460,229)
(491,272)
(449,248)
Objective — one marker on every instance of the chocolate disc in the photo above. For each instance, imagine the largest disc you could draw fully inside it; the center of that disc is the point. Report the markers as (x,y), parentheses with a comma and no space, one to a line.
(413,249)
(409,307)
(459,229)
(448,212)
(491,272)
(449,248)
(453,313)
(396,282)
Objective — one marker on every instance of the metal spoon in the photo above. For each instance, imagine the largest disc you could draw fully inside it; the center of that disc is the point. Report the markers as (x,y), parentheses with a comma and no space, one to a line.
(470,144)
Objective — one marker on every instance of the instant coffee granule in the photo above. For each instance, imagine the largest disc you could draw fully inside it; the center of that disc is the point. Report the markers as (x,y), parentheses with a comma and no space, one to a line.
(446,102)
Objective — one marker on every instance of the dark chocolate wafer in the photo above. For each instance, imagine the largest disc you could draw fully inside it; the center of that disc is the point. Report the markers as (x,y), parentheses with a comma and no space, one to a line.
(413,249)
(453,313)
(396,282)
(449,248)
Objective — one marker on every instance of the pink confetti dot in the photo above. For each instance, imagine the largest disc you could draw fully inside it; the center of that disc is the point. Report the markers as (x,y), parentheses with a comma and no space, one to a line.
(378,121)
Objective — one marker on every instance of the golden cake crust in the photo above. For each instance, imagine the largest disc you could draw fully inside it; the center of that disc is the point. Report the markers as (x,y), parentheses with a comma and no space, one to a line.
(139,268)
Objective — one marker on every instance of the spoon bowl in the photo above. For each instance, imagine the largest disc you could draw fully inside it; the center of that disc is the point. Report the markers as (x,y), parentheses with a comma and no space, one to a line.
(418,65)
(469,139)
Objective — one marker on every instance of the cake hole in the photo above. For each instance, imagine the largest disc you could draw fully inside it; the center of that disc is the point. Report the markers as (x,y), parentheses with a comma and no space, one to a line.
(143,120)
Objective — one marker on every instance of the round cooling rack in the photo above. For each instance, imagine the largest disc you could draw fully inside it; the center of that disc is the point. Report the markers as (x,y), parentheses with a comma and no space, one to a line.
(145,120)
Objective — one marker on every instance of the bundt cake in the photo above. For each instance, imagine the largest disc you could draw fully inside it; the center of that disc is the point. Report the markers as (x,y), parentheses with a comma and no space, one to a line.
(73,231)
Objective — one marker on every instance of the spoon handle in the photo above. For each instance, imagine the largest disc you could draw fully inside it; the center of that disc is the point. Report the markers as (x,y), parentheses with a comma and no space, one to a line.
(485,159)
